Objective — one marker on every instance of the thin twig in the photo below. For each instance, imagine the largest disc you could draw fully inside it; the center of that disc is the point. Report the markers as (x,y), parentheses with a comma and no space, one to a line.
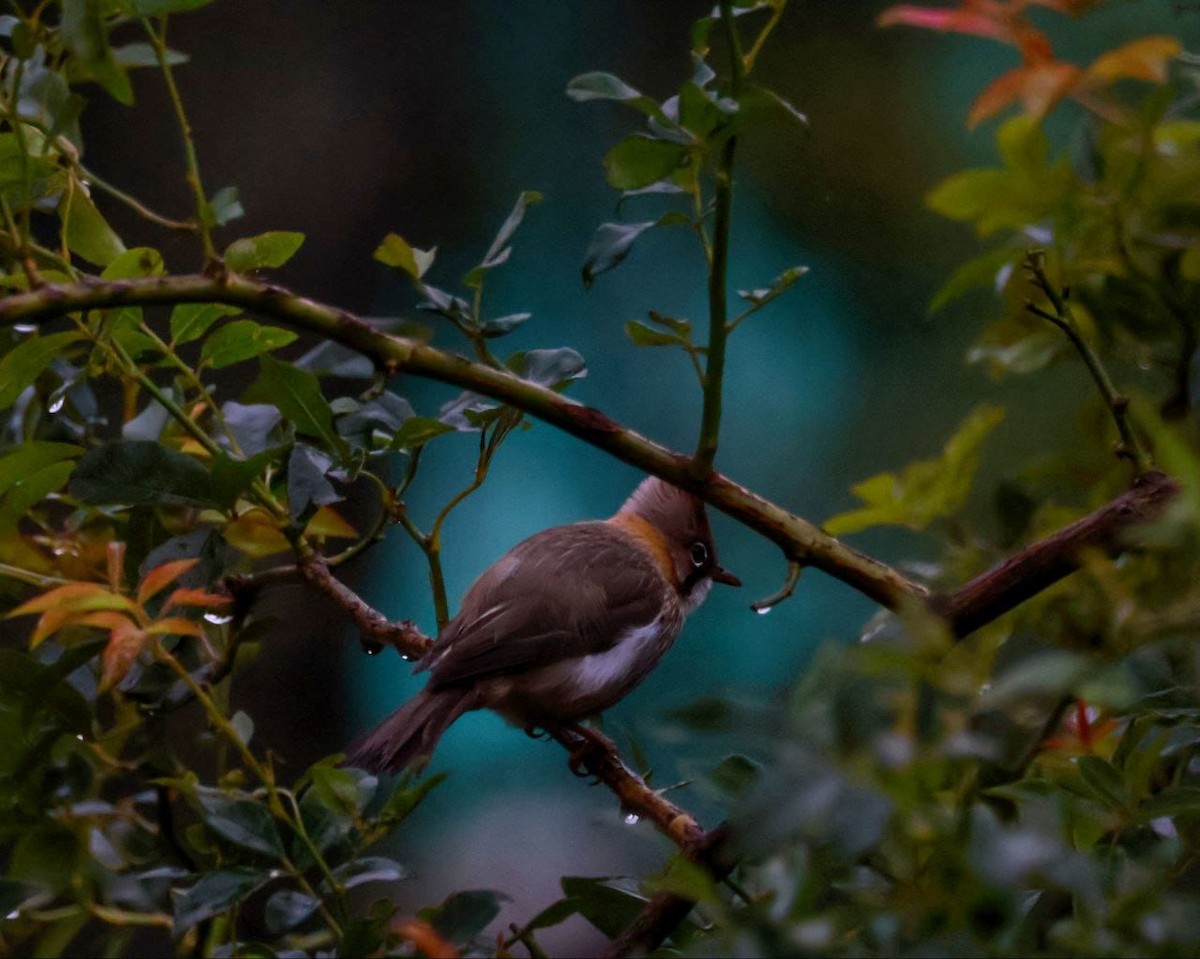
(718,310)
(158,40)
(1117,403)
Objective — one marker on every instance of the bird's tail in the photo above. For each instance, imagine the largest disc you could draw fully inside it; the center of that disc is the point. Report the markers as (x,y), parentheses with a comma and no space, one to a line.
(411,732)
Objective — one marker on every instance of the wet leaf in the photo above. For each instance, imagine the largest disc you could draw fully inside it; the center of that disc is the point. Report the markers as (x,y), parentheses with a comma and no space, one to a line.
(265,251)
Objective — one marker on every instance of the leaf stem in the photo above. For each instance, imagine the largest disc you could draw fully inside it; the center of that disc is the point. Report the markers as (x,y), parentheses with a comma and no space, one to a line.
(138,207)
(158,40)
(1062,317)
(718,329)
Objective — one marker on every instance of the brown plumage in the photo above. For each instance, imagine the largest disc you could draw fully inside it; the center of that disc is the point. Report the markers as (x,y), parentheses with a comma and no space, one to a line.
(562,626)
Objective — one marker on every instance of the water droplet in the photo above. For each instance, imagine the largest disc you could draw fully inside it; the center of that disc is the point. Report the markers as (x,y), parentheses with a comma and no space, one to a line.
(764,610)
(218,619)
(632,819)
(56,402)
(14,914)
(25,327)
(370,647)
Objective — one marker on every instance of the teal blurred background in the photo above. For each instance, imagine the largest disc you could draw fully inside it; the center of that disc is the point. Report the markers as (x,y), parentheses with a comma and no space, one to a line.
(351,119)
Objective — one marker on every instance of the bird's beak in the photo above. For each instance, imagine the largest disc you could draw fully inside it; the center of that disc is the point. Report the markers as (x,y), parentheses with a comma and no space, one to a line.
(720,575)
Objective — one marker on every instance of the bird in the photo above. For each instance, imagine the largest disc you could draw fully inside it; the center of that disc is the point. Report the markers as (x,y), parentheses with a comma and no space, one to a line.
(561,627)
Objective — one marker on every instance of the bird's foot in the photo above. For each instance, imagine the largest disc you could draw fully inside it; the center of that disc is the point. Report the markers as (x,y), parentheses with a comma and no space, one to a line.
(592,745)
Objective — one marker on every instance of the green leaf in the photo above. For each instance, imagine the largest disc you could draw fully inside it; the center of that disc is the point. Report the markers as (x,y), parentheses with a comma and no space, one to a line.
(604,86)
(359,872)
(735,774)
(86,231)
(640,160)
(214,894)
(26,178)
(1045,675)
(139,473)
(265,251)
(286,909)
(553,368)
(143,55)
(155,8)
(29,474)
(417,431)
(297,393)
(224,207)
(924,491)
(643,335)
(406,797)
(1105,781)
(981,271)
(307,487)
(610,245)
(25,362)
(232,477)
(140,261)
(758,106)
(687,879)
(608,904)
(781,284)
(497,251)
(245,823)
(463,915)
(242,340)
(501,325)
(85,34)
(190,321)
(711,715)
(395,251)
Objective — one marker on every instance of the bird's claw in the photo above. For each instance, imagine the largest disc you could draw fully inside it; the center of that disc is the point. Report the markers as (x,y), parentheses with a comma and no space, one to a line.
(591,746)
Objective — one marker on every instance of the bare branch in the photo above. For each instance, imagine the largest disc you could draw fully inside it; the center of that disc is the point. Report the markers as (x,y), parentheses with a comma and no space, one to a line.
(799,539)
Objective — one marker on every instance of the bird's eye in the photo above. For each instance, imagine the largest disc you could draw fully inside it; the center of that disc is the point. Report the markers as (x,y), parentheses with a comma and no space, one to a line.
(699,554)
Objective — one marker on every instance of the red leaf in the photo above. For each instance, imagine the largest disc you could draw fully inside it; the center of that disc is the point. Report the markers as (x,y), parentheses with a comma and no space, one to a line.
(977,22)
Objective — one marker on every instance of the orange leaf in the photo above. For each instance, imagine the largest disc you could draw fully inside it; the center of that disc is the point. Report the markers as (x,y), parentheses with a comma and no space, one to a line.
(1046,84)
(119,655)
(195,597)
(74,596)
(1038,86)
(427,940)
(102,619)
(1000,93)
(1144,59)
(955,20)
(53,620)
(162,576)
(175,626)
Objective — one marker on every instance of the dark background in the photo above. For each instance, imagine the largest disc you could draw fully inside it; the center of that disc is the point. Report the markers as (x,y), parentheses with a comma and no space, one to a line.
(350,119)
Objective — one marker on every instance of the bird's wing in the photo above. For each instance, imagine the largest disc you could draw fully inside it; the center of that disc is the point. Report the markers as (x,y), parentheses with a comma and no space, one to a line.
(538,605)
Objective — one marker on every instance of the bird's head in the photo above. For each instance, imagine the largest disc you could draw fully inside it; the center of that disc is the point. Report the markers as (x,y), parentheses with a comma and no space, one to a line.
(681,523)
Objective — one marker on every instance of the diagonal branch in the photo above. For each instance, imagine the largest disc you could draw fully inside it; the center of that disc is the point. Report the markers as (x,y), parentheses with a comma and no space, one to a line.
(981,601)
(800,540)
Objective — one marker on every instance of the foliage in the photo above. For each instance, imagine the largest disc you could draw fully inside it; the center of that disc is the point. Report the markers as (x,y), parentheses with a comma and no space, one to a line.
(1034,787)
